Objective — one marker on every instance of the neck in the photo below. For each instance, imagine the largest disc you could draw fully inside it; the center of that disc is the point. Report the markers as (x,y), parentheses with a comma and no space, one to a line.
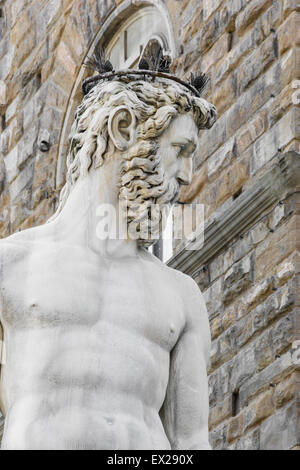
(84,219)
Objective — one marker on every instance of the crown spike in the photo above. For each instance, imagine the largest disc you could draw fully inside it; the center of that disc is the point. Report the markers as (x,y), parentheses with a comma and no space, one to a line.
(154,65)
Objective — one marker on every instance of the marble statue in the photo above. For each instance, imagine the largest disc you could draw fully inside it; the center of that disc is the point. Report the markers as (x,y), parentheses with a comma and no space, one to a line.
(106,347)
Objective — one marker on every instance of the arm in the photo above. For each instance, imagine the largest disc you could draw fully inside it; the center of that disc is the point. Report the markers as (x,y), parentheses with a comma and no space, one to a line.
(1,356)
(2,347)
(1,351)
(185,411)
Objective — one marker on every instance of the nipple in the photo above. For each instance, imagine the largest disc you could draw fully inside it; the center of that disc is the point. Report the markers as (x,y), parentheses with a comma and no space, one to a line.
(109,421)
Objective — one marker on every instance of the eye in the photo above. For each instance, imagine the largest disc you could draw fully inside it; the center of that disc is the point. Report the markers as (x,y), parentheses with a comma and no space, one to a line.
(180,149)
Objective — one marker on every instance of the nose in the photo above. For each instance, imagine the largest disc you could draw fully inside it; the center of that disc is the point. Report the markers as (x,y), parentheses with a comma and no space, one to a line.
(185,171)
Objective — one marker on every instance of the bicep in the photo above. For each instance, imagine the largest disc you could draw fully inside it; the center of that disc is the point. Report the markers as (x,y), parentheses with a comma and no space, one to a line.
(1,345)
(185,411)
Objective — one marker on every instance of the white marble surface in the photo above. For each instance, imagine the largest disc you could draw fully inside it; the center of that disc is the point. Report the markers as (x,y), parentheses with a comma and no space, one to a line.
(106,347)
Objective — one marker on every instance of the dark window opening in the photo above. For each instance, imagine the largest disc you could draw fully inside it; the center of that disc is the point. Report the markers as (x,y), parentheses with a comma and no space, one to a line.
(158,249)
(235,402)
(125,45)
(237,193)
(38,79)
(230,41)
(3,122)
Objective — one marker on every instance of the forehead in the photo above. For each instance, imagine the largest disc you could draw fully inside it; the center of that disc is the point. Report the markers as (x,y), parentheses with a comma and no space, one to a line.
(183,127)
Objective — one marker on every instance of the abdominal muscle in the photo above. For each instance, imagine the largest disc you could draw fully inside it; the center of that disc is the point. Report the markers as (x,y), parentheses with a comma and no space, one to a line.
(81,428)
(105,407)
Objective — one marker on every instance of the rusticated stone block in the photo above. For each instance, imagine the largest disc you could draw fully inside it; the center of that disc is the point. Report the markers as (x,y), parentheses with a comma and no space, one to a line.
(64,55)
(239,173)
(280,105)
(229,318)
(24,48)
(209,33)
(279,432)
(11,135)
(288,33)
(220,412)
(197,20)
(289,6)
(261,380)
(262,408)
(199,179)
(277,138)
(202,278)
(264,355)
(227,345)
(2,174)
(11,164)
(224,95)
(283,334)
(217,437)
(278,246)
(285,391)
(256,63)
(6,63)
(51,12)
(207,145)
(3,93)
(216,327)
(220,159)
(62,77)
(216,53)
(21,27)
(235,427)
(237,279)
(286,270)
(249,441)
(243,368)
(251,132)
(250,13)
(72,37)
(23,180)
(244,331)
(209,6)
(271,19)
(242,247)
(216,267)
(232,59)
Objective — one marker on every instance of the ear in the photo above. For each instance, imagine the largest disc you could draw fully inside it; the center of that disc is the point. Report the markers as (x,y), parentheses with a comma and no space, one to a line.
(121,127)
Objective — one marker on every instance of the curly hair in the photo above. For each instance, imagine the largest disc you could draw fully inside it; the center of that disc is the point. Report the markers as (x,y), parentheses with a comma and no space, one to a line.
(154,105)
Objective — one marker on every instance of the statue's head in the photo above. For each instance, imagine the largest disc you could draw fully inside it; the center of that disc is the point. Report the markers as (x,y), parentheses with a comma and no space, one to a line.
(153,125)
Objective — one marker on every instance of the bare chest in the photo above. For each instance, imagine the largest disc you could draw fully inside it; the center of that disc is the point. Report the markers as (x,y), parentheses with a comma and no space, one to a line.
(57,291)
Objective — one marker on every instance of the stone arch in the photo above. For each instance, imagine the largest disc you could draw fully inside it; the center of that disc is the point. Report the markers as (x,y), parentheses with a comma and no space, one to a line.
(112,22)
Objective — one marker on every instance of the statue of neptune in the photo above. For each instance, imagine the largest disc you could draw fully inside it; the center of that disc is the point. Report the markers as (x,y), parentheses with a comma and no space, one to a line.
(106,347)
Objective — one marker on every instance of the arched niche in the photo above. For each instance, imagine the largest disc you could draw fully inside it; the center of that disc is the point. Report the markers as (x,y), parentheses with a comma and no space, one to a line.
(124,36)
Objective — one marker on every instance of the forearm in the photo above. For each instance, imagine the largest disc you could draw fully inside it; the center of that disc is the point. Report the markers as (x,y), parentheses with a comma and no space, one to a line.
(196,441)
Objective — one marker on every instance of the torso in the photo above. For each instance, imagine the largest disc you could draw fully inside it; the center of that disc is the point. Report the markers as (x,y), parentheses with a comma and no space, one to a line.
(87,344)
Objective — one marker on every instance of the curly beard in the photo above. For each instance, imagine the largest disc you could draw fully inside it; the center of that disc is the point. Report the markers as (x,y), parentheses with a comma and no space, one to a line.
(146,195)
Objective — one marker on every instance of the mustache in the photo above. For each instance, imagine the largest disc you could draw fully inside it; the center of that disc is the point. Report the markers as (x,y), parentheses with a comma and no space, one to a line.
(171,193)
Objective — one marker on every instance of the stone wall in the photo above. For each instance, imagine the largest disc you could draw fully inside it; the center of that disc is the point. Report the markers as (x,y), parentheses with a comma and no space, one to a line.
(250,51)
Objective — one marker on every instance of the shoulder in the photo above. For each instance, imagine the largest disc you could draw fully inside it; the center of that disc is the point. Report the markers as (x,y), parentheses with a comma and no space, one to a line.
(12,250)
(197,321)
(188,289)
